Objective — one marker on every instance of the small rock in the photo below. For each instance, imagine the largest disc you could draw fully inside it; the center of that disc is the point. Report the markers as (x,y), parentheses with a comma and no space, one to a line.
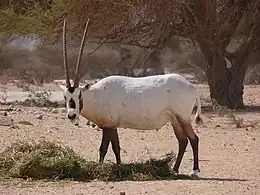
(54,111)
(55,128)
(3,113)
(122,193)
(40,117)
(14,127)
(10,107)
(25,123)
(6,121)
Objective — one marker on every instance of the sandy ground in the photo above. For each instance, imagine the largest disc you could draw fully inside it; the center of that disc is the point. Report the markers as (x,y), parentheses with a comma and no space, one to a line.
(229,156)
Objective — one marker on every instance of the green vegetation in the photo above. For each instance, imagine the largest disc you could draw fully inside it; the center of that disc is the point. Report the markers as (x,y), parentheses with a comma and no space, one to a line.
(47,160)
(33,19)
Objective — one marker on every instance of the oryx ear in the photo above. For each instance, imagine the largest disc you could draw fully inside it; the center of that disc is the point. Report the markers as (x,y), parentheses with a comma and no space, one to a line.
(63,87)
(85,87)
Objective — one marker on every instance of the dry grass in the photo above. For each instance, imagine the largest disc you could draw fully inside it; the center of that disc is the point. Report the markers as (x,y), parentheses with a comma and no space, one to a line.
(48,160)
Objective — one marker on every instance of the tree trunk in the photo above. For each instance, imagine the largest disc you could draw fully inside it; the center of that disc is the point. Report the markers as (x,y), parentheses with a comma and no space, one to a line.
(226,83)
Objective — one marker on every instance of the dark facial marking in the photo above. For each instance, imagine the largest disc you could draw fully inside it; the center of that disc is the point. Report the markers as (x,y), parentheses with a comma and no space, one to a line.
(80,102)
(65,99)
(71,89)
(72,104)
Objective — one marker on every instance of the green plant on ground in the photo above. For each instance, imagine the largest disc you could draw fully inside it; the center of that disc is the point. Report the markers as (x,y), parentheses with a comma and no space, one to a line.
(48,160)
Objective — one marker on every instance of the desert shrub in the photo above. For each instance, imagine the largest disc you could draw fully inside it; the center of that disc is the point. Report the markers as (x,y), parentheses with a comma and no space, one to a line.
(36,72)
(39,97)
(48,160)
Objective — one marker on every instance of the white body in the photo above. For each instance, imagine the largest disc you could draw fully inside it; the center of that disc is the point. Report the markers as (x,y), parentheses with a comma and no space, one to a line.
(139,103)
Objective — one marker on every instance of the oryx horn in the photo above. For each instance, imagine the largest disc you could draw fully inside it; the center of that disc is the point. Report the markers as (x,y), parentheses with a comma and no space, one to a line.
(65,59)
(77,78)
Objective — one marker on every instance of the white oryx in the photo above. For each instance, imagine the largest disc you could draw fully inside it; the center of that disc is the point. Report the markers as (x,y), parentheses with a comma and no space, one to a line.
(144,103)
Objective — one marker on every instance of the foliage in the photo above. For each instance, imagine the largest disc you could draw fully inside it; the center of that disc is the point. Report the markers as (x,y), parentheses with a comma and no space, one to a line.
(135,22)
(48,160)
(33,19)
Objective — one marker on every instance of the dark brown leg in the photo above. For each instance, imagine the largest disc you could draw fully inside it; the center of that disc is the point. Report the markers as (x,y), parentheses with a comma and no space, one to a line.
(104,144)
(183,142)
(115,145)
(194,140)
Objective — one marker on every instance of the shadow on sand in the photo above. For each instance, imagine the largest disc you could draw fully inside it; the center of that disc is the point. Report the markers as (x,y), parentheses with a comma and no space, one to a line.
(221,179)
(246,109)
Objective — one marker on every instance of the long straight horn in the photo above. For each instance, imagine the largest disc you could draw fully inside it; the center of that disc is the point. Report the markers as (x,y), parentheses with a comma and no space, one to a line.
(76,79)
(65,59)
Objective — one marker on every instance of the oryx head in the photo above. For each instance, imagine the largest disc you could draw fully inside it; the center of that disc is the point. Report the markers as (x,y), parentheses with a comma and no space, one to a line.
(73,94)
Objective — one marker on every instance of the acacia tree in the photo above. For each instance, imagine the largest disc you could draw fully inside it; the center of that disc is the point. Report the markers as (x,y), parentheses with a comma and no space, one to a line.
(212,24)
(226,50)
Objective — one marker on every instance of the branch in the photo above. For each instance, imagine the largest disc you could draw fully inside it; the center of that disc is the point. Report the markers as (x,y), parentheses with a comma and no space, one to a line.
(244,51)
(250,45)
(229,18)
(124,42)
(206,18)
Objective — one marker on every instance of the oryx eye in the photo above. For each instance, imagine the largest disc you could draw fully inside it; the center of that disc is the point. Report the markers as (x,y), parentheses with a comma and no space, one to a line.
(79,95)
(64,97)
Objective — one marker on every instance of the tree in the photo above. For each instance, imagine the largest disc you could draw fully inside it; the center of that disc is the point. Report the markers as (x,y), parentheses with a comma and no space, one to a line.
(213,25)
(226,68)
